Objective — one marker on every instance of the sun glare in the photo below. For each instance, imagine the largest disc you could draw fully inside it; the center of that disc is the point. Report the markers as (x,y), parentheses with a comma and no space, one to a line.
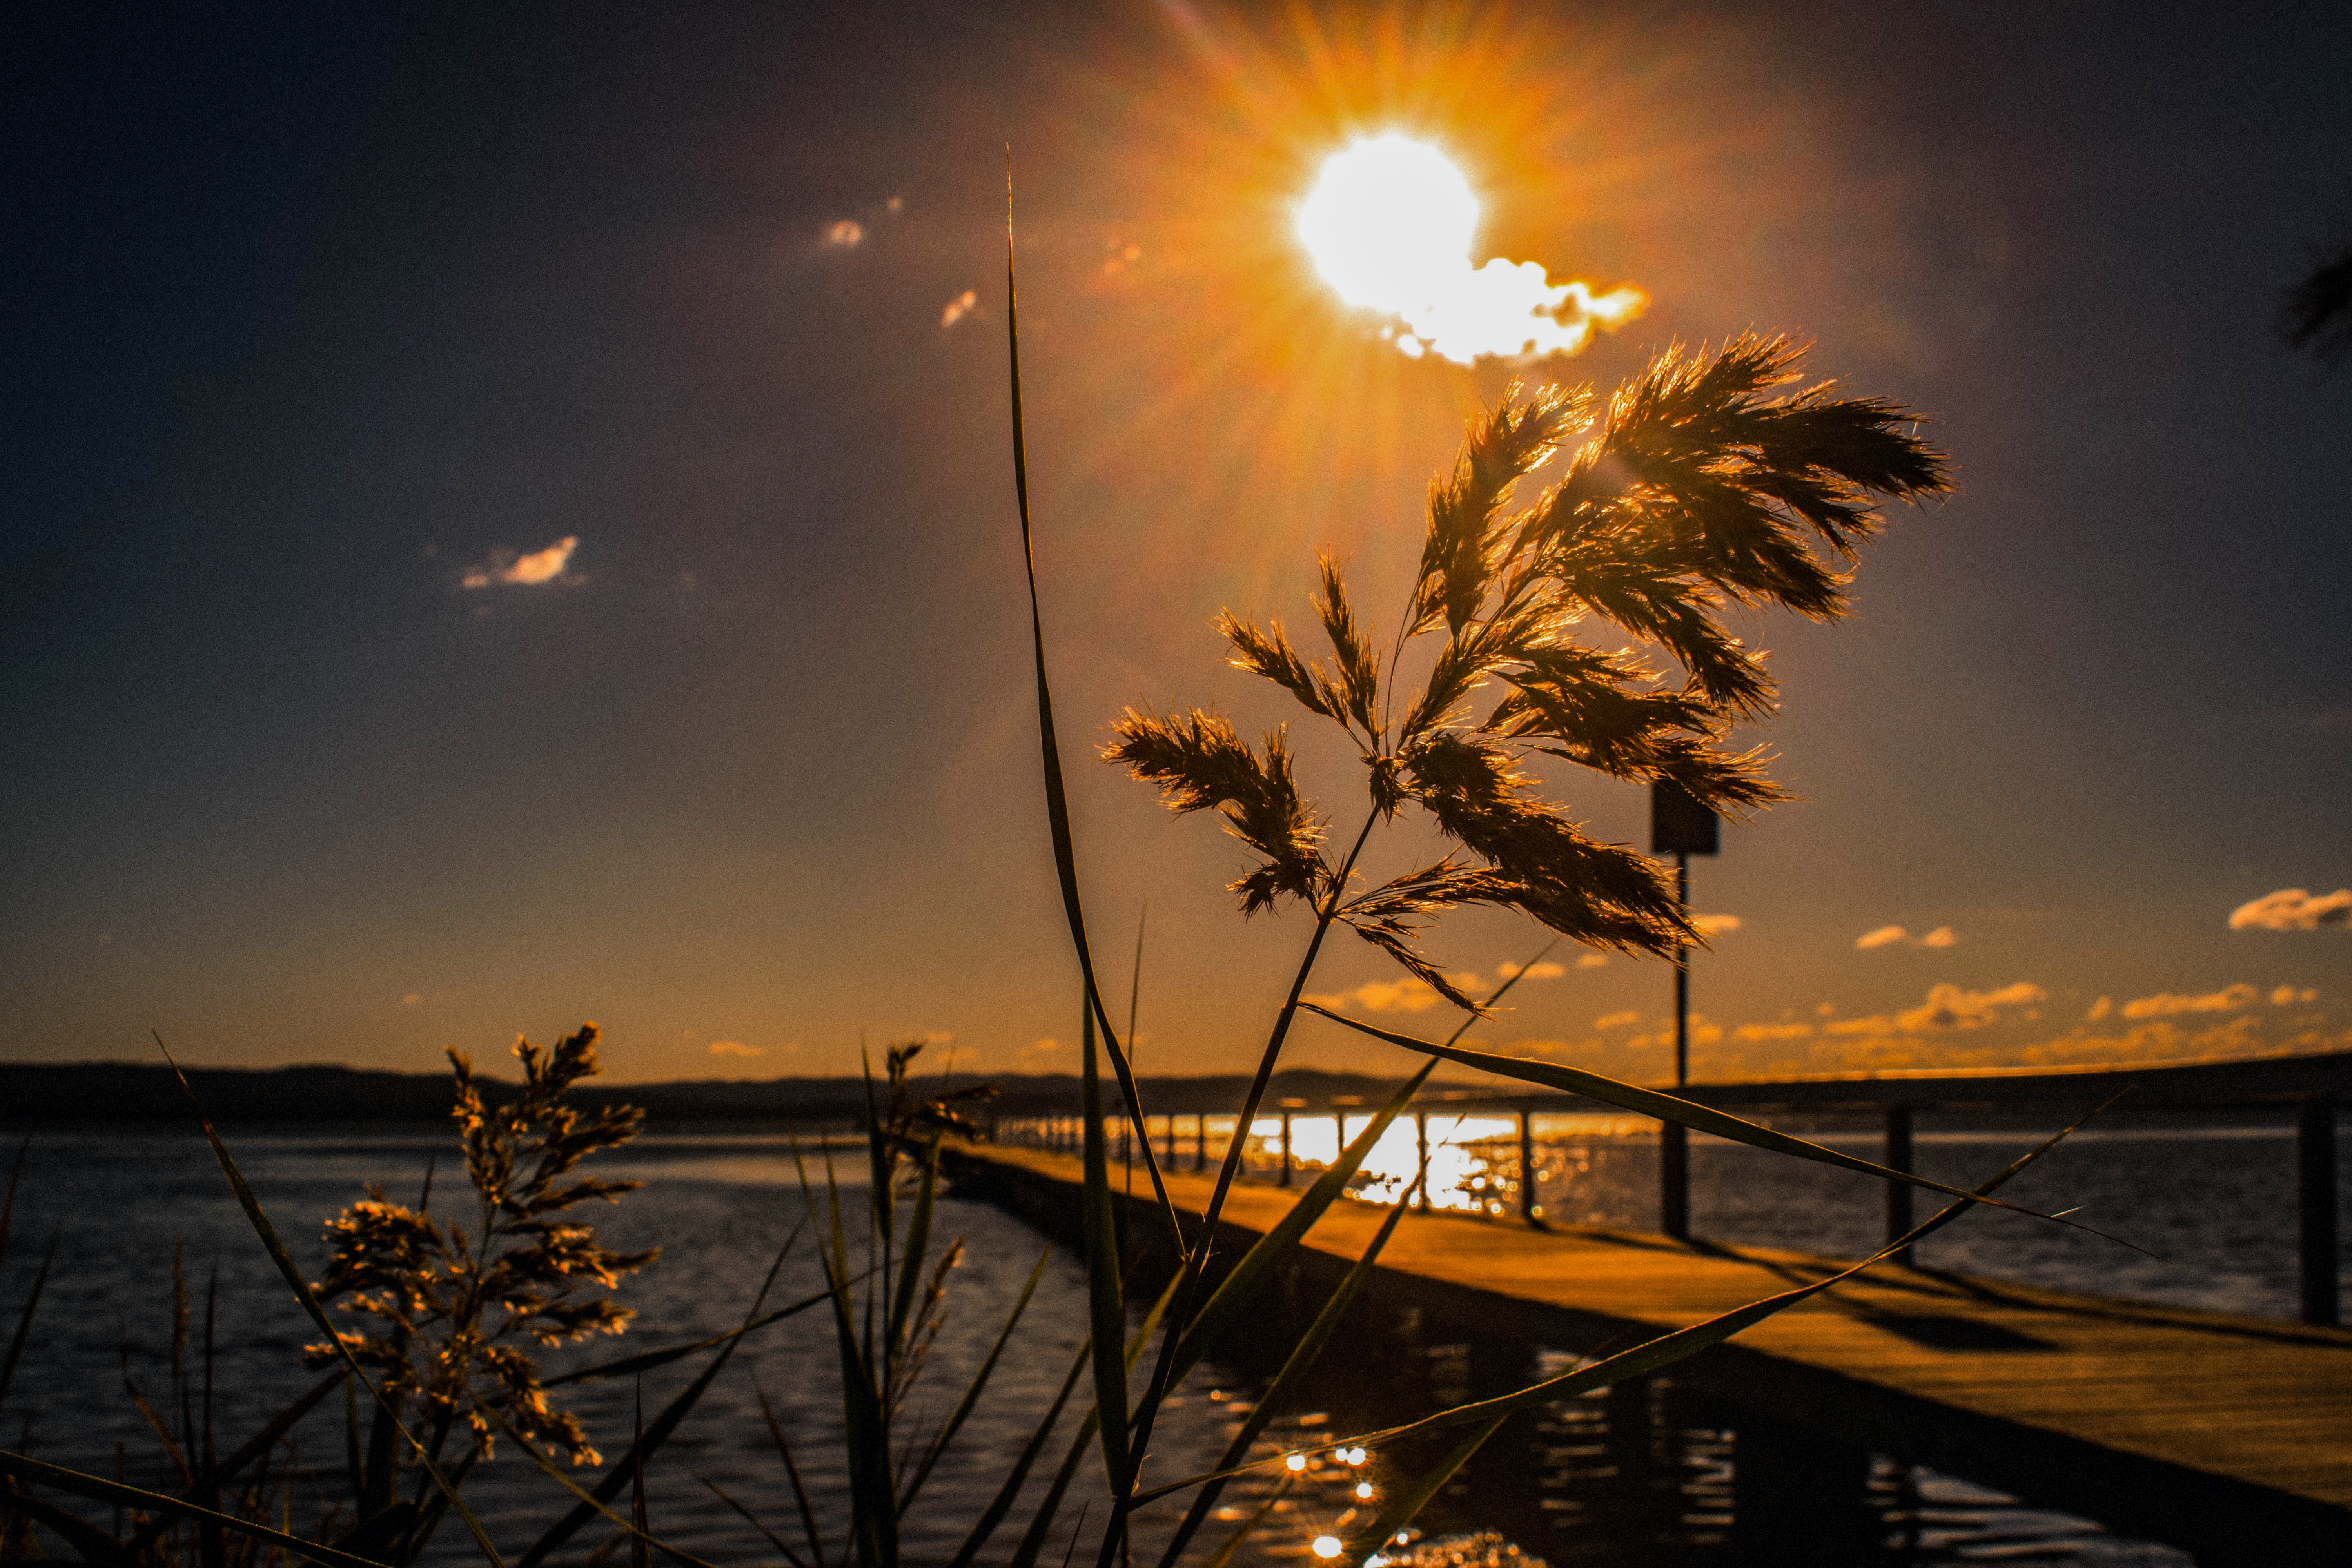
(1390,225)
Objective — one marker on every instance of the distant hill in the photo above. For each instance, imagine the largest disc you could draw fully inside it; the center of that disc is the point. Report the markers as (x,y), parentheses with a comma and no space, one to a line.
(41,1094)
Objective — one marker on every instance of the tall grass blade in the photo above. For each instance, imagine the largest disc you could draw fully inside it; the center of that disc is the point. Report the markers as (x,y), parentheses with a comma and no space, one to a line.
(918,1243)
(39,1472)
(649,1441)
(8,1203)
(1652,1354)
(435,1510)
(792,1472)
(1180,1351)
(590,1502)
(352,1442)
(867,1434)
(1410,1498)
(782,1551)
(971,1400)
(638,1556)
(1057,800)
(1302,1358)
(93,1544)
(277,1427)
(1106,1304)
(1040,1527)
(1248,1528)
(1667,1107)
(1273,1251)
(24,1329)
(881,1161)
(648,1360)
(318,1312)
(1010,1491)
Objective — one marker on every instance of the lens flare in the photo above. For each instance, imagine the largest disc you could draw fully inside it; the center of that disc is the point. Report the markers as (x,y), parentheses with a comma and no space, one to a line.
(1390,225)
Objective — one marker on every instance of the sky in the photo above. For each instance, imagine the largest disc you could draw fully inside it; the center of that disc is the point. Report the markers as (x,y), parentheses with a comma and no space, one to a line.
(510,517)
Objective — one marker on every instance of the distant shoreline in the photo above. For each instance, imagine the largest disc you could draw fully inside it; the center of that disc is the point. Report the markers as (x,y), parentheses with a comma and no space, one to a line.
(48,1094)
(35,1095)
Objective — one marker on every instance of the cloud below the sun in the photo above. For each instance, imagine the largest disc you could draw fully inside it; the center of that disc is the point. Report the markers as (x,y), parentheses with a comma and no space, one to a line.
(1390,225)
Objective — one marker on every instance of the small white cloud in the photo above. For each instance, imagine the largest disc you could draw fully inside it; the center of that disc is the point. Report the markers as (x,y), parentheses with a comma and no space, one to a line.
(1616,1020)
(896,203)
(524,571)
(2164,1004)
(1952,1007)
(1544,970)
(963,305)
(1715,925)
(2292,909)
(2101,1008)
(1036,1049)
(1891,936)
(412,999)
(1947,1006)
(1823,1009)
(1405,996)
(733,1048)
(847,235)
(1593,960)
(2287,995)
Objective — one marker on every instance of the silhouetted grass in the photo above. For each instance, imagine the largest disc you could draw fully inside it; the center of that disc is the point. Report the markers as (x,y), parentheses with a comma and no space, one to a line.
(1701,486)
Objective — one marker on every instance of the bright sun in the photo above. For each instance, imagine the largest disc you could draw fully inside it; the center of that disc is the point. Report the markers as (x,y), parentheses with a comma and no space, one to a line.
(1389,224)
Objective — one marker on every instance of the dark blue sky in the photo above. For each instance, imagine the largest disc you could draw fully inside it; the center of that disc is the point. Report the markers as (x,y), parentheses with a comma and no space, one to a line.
(315,313)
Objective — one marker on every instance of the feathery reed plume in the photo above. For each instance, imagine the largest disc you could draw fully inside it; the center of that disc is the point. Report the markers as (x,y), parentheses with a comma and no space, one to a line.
(454,1306)
(1701,485)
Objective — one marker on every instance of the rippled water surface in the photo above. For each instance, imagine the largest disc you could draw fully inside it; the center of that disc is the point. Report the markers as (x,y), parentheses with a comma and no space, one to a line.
(1647,1473)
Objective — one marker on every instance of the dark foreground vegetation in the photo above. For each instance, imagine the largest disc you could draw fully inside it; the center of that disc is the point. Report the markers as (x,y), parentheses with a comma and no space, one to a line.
(1708,484)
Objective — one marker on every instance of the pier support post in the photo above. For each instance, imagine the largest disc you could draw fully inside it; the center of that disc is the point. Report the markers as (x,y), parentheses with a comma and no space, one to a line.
(2314,1170)
(1898,1194)
(1530,1209)
(1421,1146)
(1285,1149)
(1200,1142)
(1674,1180)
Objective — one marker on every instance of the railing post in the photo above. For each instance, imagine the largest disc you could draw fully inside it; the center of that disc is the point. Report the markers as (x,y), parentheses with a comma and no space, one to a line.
(1898,1194)
(1286,1149)
(1674,1180)
(1420,1144)
(2314,1170)
(1528,1208)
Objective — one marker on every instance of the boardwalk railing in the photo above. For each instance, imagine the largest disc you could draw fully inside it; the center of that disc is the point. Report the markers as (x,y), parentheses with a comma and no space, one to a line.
(2311,1088)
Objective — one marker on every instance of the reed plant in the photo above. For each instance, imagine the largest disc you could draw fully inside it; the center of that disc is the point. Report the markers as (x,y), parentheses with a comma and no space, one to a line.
(1712,481)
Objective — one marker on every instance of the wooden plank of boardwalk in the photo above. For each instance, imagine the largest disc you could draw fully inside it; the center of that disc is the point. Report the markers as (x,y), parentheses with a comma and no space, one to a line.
(1998,1381)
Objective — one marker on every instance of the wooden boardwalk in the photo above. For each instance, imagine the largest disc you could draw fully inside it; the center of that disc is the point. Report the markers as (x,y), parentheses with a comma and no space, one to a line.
(2230,1437)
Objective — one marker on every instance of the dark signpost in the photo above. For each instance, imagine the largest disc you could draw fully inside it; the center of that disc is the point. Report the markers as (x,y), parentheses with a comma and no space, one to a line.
(1680,827)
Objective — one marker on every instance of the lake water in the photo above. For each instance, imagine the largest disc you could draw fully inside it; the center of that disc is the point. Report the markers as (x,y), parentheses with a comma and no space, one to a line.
(1647,1474)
